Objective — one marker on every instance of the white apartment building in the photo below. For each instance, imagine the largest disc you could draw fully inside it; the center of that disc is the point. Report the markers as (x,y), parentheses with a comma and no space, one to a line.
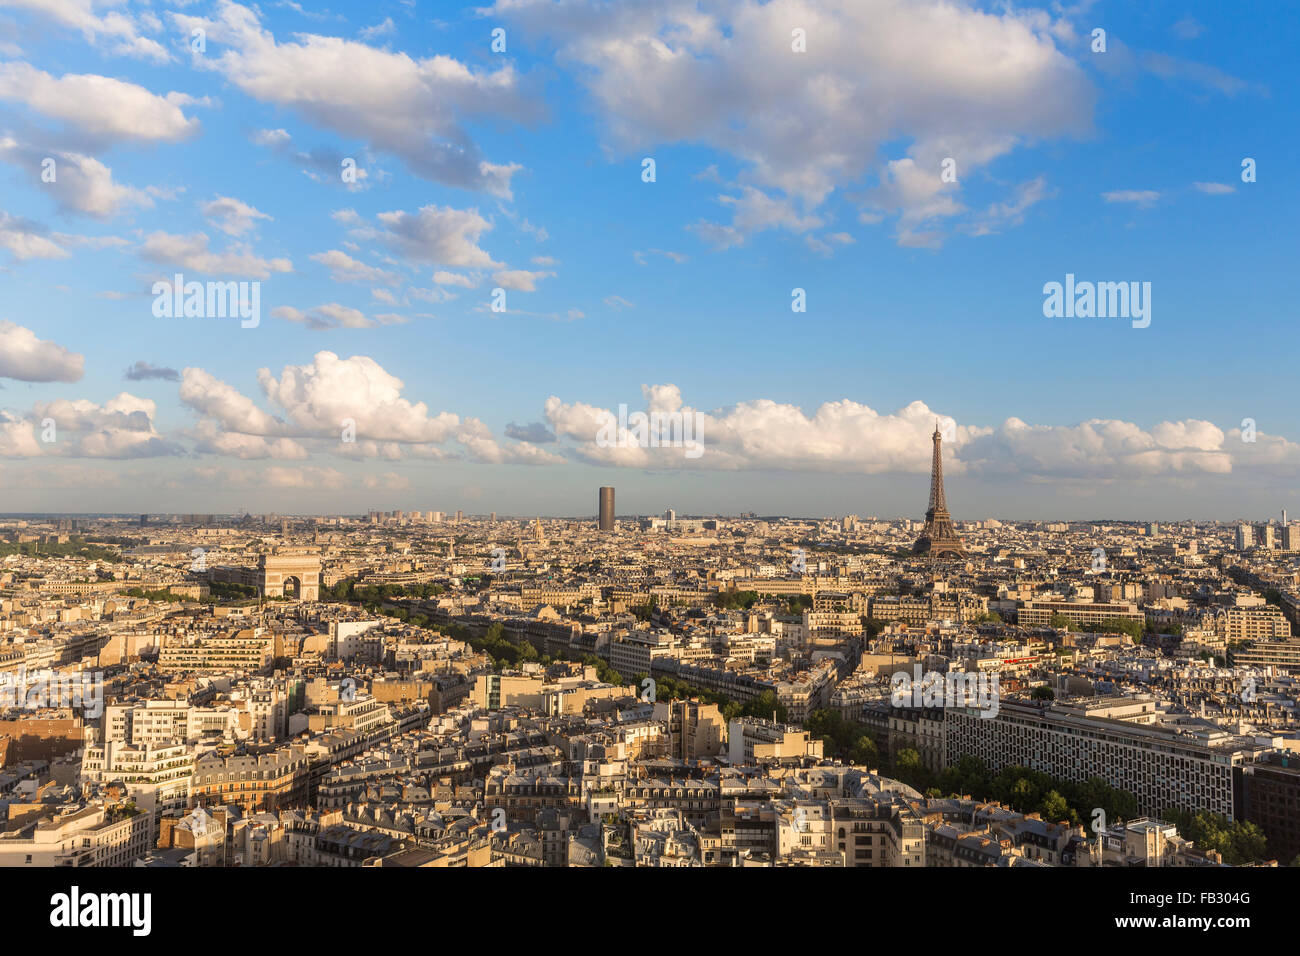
(636,652)
(157,779)
(96,835)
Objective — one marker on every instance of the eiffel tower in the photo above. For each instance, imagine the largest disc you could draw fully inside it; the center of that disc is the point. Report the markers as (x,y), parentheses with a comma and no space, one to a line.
(939,538)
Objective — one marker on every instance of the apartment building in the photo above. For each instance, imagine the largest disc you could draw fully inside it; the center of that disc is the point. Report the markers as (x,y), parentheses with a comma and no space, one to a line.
(809,691)
(255,782)
(1162,767)
(246,650)
(1283,655)
(1261,623)
(878,833)
(157,778)
(695,729)
(100,834)
(920,729)
(753,741)
(636,652)
(1040,613)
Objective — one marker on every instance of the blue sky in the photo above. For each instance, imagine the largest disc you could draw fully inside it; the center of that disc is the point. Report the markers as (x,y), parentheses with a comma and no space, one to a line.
(775,170)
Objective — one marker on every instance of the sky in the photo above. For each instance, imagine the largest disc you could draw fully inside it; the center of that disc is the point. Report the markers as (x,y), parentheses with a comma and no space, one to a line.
(812,229)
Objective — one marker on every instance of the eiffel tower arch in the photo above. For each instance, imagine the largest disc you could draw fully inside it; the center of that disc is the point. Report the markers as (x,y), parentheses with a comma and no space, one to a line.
(939,539)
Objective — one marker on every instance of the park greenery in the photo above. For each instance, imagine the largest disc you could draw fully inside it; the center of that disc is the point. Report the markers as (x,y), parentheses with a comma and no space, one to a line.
(72,548)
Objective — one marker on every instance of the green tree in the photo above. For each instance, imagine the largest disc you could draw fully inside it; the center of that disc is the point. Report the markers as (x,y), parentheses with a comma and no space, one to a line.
(1054,808)
(864,752)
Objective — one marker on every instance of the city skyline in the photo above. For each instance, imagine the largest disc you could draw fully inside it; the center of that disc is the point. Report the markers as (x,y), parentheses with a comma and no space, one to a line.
(523,169)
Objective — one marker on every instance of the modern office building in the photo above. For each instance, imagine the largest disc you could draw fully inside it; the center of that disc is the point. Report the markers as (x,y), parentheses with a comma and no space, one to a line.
(1245,537)
(606,507)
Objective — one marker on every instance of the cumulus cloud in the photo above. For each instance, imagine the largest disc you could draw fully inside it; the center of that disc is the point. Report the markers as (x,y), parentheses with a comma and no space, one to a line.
(120,428)
(482,447)
(211,439)
(435,235)
(24,239)
(316,398)
(99,106)
(232,216)
(849,437)
(349,407)
(520,280)
(412,108)
(953,80)
(27,358)
(192,252)
(334,316)
(18,437)
(234,411)
(82,183)
(1099,449)
(101,22)
(343,268)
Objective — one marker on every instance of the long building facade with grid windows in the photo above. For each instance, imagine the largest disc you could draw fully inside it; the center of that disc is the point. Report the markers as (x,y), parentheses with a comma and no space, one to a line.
(1161,766)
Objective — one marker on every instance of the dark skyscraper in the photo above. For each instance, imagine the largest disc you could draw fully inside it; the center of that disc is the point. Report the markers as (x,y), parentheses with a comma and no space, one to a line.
(939,539)
(607,509)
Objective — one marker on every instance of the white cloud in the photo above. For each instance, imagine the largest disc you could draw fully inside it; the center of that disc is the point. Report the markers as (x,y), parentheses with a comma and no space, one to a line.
(949,78)
(213,398)
(412,108)
(18,437)
(116,27)
(343,268)
(521,280)
(482,447)
(27,358)
(332,315)
(211,439)
(81,183)
(454,278)
(121,428)
(435,235)
(100,106)
(24,239)
(316,398)
(846,436)
(1142,198)
(232,216)
(192,252)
